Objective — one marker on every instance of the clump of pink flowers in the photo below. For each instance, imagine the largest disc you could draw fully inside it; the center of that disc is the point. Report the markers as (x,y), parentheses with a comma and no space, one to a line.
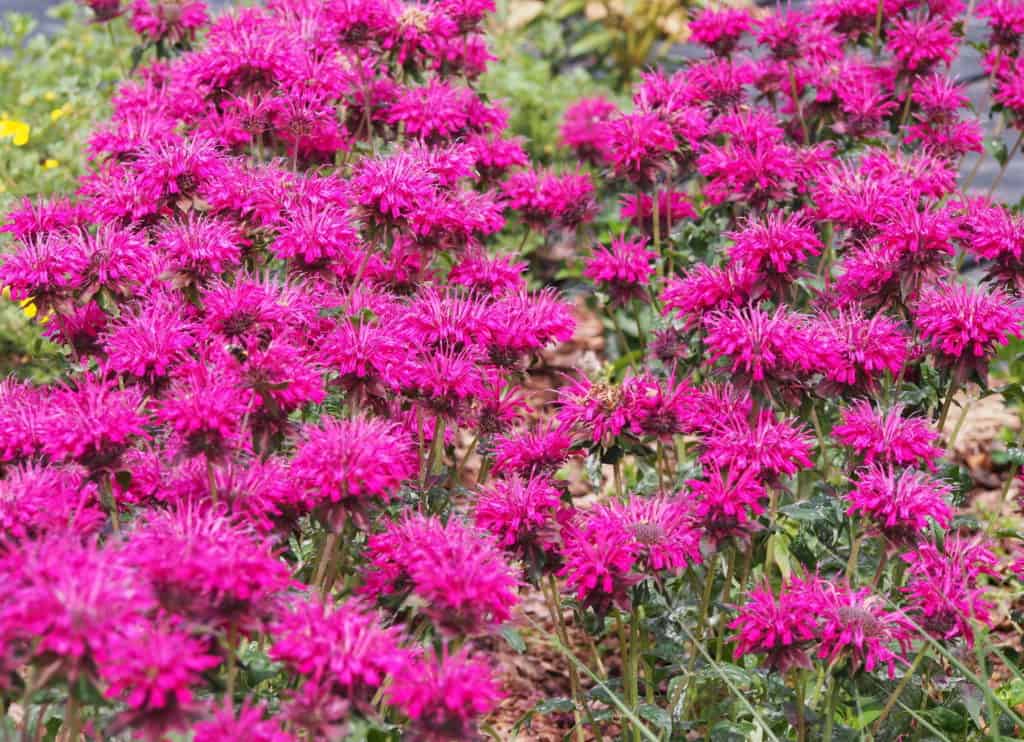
(323,455)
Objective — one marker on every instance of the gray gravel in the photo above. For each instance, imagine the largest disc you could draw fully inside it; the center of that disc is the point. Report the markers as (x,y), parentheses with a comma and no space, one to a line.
(1010,190)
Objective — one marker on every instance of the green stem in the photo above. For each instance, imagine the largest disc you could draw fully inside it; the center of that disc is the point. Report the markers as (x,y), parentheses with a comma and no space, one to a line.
(830,712)
(551,597)
(851,563)
(634,663)
(229,693)
(877,37)
(726,590)
(801,721)
(72,717)
(330,543)
(895,695)
(1002,168)
(798,105)
(946,404)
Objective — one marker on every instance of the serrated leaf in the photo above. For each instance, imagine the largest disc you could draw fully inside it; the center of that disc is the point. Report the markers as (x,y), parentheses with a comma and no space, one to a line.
(555,705)
(514,639)
(657,716)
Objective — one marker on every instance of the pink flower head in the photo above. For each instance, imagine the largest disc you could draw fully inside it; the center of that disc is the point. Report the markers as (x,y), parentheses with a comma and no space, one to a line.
(534,452)
(599,564)
(343,648)
(901,505)
(493,275)
(942,586)
(93,422)
(523,514)
(599,410)
(624,269)
(39,500)
(768,446)
(200,246)
(173,21)
(663,535)
(444,695)
(150,338)
(248,724)
(460,575)
(861,349)
(725,501)
(660,408)
(720,29)
(68,601)
(856,625)
(964,325)
(887,436)
(919,45)
(780,627)
(347,463)
(640,145)
(705,291)
(205,406)
(522,322)
(764,345)
(22,415)
(1005,19)
(778,243)
(154,670)
(205,567)
(584,128)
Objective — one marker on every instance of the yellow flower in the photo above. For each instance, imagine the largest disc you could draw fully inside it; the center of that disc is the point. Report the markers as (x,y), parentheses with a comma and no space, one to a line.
(50,95)
(17,131)
(28,307)
(50,164)
(57,113)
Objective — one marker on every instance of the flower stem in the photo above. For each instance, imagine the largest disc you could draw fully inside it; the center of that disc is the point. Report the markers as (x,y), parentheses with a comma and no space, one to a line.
(72,718)
(801,720)
(1002,168)
(830,711)
(946,404)
(330,543)
(894,697)
(551,597)
(232,665)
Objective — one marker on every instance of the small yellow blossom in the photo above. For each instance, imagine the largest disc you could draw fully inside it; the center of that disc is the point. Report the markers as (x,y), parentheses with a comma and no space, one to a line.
(50,164)
(57,113)
(17,131)
(28,307)
(49,95)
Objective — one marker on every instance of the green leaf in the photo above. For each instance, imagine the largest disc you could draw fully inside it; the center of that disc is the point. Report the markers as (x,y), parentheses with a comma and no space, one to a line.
(593,41)
(657,716)
(514,639)
(555,706)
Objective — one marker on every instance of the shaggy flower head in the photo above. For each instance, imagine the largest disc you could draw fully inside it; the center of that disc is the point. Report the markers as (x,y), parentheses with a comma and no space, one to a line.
(942,586)
(445,695)
(856,625)
(964,325)
(346,463)
(342,648)
(779,627)
(459,573)
(724,502)
(522,514)
(533,452)
(624,269)
(902,504)
(887,436)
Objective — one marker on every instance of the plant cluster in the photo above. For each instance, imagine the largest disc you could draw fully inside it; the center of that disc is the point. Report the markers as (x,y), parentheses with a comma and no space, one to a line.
(296,476)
